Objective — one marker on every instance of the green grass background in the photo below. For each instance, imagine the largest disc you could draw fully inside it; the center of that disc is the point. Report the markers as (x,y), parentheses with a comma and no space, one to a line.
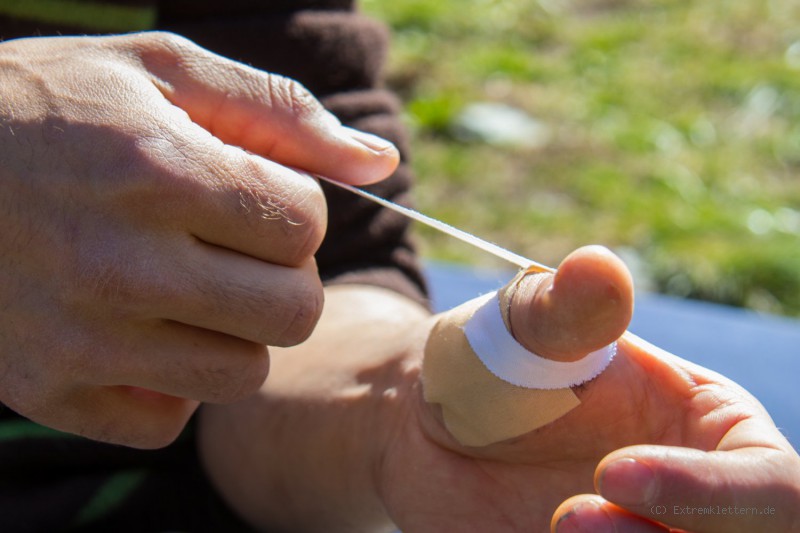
(674,135)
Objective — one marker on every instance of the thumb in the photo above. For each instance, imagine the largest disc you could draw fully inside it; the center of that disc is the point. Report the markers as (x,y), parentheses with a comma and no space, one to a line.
(748,489)
(585,305)
(264,113)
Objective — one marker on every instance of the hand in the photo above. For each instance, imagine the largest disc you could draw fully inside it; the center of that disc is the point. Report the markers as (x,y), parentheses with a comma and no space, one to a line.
(347,411)
(704,441)
(155,235)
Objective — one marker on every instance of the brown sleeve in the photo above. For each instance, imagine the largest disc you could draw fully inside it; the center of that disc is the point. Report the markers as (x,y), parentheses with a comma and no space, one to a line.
(338,54)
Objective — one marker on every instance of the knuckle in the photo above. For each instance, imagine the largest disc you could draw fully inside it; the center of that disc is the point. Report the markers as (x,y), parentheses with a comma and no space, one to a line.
(132,172)
(103,280)
(295,213)
(164,42)
(288,94)
(236,380)
(162,51)
(143,165)
(307,223)
(303,313)
(120,281)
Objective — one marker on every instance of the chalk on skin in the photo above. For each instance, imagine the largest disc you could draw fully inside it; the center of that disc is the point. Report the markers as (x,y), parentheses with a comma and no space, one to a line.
(491,388)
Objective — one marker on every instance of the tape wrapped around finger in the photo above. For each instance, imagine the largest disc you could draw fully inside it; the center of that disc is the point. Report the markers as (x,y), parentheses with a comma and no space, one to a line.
(507,359)
(490,388)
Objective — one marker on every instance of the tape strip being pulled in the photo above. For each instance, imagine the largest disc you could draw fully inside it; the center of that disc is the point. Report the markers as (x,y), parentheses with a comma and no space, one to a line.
(510,361)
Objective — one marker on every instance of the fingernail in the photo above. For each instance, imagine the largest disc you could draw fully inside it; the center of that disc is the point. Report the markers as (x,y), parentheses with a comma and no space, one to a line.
(586,517)
(373,142)
(628,482)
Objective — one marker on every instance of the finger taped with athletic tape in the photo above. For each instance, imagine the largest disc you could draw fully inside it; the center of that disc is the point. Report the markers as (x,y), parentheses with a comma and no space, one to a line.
(489,386)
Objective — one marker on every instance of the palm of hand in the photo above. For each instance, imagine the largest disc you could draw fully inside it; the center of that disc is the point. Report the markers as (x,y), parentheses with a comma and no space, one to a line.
(432,483)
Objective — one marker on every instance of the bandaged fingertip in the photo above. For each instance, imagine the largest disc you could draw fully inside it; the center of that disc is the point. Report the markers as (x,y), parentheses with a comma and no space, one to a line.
(490,387)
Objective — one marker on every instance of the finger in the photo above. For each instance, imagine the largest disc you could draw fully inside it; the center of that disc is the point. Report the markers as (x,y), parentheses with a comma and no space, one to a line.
(749,489)
(185,362)
(254,206)
(586,305)
(146,421)
(190,181)
(227,292)
(591,513)
(264,113)
(138,383)
(141,278)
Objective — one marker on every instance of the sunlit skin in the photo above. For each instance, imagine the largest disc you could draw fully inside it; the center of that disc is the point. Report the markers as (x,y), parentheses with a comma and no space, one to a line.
(126,305)
(346,410)
(157,234)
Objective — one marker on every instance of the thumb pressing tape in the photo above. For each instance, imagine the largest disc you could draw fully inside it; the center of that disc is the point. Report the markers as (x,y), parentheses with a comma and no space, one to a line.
(490,388)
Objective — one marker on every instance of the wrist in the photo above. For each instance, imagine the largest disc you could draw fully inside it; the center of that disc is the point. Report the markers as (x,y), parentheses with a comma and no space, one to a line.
(307,452)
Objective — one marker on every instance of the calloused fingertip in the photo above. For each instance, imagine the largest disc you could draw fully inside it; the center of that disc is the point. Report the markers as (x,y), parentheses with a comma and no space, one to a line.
(584,512)
(591,513)
(565,510)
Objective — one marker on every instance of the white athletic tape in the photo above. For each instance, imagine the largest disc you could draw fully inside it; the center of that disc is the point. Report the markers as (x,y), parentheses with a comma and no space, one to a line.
(510,361)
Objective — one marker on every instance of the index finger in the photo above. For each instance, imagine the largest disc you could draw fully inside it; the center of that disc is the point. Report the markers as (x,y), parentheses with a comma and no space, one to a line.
(265,113)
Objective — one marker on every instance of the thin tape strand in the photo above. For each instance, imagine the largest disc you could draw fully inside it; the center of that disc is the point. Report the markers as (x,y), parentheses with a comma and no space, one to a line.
(498,251)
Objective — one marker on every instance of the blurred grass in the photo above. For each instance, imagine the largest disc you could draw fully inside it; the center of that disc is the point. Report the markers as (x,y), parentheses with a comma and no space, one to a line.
(674,135)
